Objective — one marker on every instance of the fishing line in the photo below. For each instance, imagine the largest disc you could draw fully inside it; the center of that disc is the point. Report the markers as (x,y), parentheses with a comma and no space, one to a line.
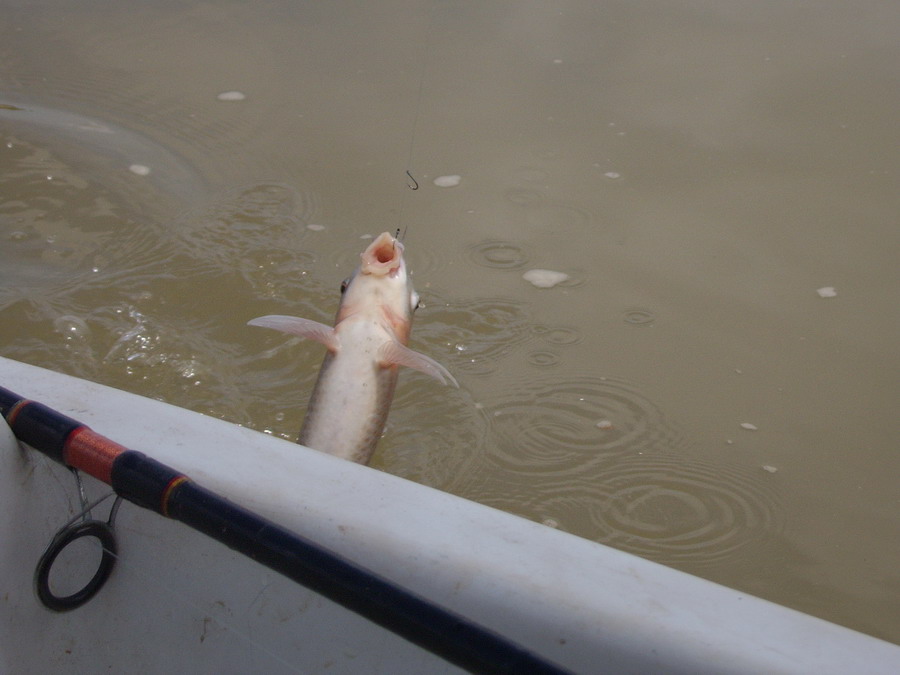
(182,596)
(411,182)
(81,527)
(98,536)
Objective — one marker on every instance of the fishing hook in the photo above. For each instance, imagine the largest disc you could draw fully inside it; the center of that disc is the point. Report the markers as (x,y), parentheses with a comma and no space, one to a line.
(415,183)
(69,532)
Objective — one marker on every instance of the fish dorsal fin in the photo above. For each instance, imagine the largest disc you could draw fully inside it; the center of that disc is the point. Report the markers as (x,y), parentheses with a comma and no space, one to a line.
(306,328)
(393,353)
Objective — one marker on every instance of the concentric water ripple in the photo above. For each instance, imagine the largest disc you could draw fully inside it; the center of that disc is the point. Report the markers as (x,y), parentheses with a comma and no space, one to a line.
(639,317)
(550,425)
(560,217)
(100,147)
(543,359)
(480,331)
(500,255)
(672,510)
(66,233)
(442,453)
(524,197)
(663,506)
(258,232)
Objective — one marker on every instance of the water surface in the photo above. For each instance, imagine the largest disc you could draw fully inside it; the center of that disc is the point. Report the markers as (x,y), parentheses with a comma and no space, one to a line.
(697,170)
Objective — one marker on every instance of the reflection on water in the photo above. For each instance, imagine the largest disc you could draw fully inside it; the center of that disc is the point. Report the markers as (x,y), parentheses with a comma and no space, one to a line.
(697,169)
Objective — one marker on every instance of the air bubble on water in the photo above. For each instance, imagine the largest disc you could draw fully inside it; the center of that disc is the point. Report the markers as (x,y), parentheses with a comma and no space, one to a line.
(231,96)
(448,181)
(545,278)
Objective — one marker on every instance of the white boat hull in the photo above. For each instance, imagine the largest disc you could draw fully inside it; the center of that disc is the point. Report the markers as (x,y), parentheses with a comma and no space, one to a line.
(179,601)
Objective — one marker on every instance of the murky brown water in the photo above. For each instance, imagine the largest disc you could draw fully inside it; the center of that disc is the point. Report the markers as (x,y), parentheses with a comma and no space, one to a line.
(698,170)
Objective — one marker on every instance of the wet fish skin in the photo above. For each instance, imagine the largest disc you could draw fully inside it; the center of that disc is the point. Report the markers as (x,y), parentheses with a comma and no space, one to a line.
(352,396)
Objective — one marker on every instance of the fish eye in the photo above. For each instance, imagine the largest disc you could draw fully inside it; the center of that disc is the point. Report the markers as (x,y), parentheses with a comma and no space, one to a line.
(344,284)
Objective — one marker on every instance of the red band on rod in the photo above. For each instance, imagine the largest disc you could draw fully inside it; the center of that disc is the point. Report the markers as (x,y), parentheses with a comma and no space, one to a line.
(170,488)
(16,409)
(94,454)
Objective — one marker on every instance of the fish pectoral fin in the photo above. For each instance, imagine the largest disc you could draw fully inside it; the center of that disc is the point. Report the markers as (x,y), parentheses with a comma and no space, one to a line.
(393,353)
(306,328)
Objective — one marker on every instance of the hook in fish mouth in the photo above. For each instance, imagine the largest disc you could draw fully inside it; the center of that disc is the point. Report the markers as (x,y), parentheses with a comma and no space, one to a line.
(383,256)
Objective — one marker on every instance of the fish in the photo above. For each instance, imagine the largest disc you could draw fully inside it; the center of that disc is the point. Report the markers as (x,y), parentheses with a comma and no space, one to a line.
(350,401)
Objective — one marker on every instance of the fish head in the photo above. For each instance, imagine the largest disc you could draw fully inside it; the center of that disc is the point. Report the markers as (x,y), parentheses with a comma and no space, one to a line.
(381,285)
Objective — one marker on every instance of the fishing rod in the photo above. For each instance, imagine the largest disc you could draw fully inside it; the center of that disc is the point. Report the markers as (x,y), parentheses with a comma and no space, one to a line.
(153,485)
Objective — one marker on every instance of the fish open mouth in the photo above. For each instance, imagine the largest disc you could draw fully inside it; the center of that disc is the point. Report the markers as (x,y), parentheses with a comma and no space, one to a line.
(383,256)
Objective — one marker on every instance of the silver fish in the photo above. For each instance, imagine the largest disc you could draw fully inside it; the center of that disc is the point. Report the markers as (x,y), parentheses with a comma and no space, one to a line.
(350,402)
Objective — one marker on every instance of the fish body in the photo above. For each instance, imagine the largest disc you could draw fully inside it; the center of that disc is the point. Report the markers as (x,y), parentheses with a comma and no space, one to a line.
(349,404)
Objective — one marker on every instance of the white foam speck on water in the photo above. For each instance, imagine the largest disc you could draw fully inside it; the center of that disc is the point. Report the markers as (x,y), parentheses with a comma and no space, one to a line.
(545,278)
(612,175)
(447,181)
(748,426)
(769,468)
(315,227)
(139,169)
(605,425)
(557,61)
(232,96)
(827,292)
